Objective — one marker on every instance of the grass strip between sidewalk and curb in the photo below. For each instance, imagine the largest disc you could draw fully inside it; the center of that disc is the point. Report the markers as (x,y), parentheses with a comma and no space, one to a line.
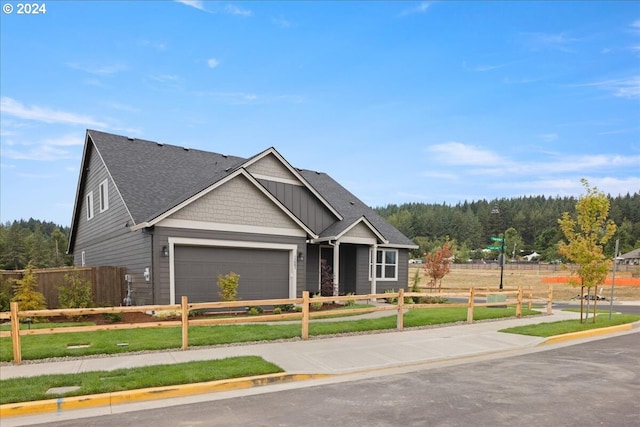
(563,327)
(99,382)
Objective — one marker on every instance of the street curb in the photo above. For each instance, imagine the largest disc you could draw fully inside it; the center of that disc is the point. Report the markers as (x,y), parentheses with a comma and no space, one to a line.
(590,333)
(129,396)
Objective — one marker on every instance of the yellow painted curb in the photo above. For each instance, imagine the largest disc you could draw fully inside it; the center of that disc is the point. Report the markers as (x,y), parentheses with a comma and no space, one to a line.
(585,334)
(106,399)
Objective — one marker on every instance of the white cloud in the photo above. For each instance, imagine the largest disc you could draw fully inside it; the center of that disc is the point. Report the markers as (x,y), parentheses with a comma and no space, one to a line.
(281,21)
(43,114)
(544,41)
(623,88)
(421,7)
(45,151)
(239,97)
(549,137)
(198,4)
(103,70)
(213,62)
(122,107)
(482,68)
(164,78)
(152,45)
(235,10)
(48,149)
(457,153)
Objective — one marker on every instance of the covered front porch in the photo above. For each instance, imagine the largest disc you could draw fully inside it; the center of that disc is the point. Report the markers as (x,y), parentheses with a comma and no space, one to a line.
(358,261)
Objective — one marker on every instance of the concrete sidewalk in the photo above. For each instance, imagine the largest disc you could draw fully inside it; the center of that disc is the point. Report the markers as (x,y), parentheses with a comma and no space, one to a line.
(318,359)
(334,355)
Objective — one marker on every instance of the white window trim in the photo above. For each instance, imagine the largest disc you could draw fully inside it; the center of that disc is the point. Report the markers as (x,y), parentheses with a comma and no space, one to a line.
(373,265)
(90,205)
(104,195)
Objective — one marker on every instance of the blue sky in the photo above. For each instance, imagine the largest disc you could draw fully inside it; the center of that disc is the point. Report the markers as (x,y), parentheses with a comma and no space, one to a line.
(399,101)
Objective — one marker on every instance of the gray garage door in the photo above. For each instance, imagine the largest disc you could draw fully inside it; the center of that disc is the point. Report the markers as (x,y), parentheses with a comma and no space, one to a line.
(264,273)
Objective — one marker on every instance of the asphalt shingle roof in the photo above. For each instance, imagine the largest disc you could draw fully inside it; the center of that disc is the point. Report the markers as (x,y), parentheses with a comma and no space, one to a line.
(351,208)
(153,177)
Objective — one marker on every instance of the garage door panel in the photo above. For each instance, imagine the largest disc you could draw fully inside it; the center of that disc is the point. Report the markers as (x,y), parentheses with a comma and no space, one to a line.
(264,273)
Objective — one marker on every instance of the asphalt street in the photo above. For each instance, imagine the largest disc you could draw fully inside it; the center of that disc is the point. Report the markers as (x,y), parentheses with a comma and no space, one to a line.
(596,382)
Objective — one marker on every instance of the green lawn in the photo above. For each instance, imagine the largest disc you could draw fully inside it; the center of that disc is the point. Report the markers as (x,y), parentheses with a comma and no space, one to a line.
(566,326)
(106,342)
(35,388)
(123,341)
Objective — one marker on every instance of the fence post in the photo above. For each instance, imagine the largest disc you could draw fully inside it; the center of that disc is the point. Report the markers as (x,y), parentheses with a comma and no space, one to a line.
(530,298)
(185,322)
(519,304)
(470,306)
(550,300)
(15,334)
(400,321)
(305,315)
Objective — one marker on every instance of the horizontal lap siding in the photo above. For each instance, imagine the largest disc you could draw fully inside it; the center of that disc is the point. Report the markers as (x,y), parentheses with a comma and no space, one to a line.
(106,239)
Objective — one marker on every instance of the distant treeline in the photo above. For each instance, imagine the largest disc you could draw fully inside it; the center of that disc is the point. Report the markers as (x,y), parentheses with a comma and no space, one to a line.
(42,243)
(531,224)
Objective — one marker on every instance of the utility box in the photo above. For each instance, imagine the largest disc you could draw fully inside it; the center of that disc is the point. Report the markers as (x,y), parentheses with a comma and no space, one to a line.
(495,298)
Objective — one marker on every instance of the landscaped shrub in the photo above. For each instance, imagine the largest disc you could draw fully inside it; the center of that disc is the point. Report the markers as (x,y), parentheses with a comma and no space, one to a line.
(391,299)
(254,310)
(228,287)
(317,305)
(5,295)
(25,293)
(76,291)
(112,317)
(350,302)
(415,285)
(286,307)
(433,300)
(277,310)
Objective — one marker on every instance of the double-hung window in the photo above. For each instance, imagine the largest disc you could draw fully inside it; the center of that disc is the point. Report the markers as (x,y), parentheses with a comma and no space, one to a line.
(104,195)
(386,266)
(90,205)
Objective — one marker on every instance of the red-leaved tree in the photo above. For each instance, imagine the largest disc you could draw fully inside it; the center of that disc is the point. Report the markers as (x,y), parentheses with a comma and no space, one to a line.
(436,264)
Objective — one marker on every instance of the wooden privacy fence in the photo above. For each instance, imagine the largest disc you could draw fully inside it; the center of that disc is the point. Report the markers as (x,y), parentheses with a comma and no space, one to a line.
(107,283)
(509,297)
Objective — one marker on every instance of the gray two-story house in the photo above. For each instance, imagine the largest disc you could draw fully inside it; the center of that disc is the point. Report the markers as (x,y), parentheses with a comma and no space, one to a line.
(176,218)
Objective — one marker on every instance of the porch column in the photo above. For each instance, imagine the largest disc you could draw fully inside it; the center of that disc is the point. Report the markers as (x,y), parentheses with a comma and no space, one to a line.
(336,268)
(374,253)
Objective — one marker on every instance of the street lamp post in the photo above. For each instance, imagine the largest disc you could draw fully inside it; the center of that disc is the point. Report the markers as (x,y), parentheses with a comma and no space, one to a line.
(496,210)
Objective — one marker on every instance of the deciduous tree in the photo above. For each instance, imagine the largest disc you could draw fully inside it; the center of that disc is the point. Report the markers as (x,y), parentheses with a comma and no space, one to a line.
(437,264)
(586,235)
(26,294)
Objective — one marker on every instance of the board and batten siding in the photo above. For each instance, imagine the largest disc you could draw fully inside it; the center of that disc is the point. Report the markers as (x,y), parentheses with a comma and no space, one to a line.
(302,203)
(106,239)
